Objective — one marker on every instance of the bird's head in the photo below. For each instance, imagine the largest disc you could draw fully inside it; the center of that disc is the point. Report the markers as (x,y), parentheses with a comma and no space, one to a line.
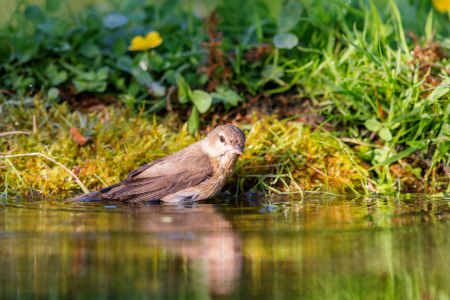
(226,140)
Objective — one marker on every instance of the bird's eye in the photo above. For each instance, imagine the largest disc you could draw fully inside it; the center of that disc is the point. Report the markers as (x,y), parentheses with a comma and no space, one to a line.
(222,139)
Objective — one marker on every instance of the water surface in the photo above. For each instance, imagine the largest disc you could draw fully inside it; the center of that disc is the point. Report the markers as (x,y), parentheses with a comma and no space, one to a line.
(318,248)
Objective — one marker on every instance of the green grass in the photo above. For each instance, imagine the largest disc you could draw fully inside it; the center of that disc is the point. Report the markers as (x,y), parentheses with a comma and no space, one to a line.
(354,63)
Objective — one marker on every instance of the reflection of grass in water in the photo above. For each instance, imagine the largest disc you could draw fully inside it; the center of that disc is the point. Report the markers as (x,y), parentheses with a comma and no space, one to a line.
(280,155)
(383,262)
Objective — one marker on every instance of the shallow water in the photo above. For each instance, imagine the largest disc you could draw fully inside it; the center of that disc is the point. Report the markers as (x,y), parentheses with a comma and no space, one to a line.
(318,248)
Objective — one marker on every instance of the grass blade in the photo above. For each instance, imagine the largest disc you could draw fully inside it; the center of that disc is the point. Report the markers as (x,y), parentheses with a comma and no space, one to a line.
(401,32)
(396,157)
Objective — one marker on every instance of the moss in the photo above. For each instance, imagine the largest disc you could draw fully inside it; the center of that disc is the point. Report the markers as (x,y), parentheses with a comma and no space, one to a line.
(282,156)
(299,160)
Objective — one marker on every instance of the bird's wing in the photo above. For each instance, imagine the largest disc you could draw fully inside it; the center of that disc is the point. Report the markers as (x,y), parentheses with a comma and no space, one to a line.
(161,177)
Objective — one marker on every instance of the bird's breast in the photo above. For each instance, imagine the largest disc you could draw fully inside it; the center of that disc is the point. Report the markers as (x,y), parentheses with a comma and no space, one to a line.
(223,168)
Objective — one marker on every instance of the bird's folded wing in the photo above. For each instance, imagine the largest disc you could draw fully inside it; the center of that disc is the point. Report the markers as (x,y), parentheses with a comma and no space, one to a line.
(162,177)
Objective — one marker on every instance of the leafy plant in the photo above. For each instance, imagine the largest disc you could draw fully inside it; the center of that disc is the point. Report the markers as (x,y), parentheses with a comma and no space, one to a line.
(287,20)
(202,100)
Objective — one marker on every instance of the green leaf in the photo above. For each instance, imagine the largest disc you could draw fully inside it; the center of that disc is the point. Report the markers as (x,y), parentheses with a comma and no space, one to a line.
(21,82)
(367,53)
(56,28)
(27,53)
(51,70)
(396,157)
(289,16)
(81,85)
(227,95)
(59,78)
(285,40)
(385,134)
(429,26)
(88,76)
(55,77)
(100,87)
(202,79)
(52,94)
(157,62)
(119,83)
(184,91)
(272,72)
(133,88)
(93,22)
(416,144)
(129,100)
(401,33)
(141,76)
(52,6)
(34,14)
(125,63)
(119,47)
(89,50)
(373,125)
(438,92)
(157,90)
(88,81)
(102,73)
(194,121)
(365,153)
(130,5)
(425,116)
(202,100)
(170,76)
(71,68)
(115,20)
(351,9)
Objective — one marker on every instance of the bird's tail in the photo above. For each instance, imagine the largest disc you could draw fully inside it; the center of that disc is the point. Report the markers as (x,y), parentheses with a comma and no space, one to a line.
(86,197)
(93,196)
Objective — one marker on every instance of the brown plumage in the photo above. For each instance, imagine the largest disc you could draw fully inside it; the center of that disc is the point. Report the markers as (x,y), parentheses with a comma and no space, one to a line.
(197,172)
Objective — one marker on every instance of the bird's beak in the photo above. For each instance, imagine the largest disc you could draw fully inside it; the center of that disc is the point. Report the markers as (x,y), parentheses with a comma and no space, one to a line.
(236,149)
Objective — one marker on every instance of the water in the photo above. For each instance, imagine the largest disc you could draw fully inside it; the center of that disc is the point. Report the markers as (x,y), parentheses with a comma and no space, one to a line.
(319,248)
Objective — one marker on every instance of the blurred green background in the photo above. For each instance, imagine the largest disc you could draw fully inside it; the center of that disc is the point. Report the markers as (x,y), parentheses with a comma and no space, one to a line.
(203,7)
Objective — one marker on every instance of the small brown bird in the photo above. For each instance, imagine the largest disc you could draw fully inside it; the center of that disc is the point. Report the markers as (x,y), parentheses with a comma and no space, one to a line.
(197,172)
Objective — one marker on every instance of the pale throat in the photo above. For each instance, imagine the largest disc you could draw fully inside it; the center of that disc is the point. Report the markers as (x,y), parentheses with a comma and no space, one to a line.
(227,163)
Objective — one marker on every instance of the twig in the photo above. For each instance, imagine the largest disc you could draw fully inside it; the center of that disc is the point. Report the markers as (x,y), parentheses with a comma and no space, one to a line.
(34,124)
(316,170)
(6,92)
(360,143)
(6,153)
(43,155)
(169,94)
(13,132)
(268,166)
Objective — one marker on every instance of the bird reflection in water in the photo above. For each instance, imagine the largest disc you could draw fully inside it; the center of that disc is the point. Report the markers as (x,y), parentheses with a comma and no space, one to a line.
(197,236)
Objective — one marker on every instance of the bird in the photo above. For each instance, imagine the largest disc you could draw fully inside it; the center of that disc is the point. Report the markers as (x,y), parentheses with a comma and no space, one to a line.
(196,172)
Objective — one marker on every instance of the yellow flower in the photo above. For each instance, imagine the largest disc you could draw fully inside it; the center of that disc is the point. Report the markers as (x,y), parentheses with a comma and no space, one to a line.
(441,5)
(151,40)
